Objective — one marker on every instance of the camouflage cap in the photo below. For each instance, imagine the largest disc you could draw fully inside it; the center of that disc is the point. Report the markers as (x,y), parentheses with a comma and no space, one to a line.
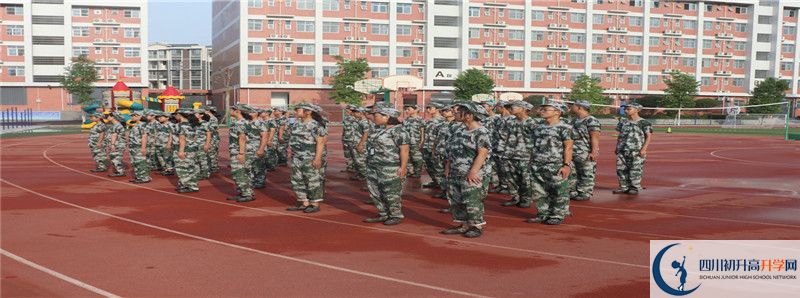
(435,104)
(308,107)
(413,106)
(200,111)
(520,103)
(634,105)
(161,114)
(282,109)
(211,108)
(150,113)
(98,115)
(582,103)
(135,113)
(184,111)
(556,105)
(475,109)
(387,111)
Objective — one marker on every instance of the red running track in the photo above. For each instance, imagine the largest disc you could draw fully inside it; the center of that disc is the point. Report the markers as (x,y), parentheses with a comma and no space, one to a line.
(104,236)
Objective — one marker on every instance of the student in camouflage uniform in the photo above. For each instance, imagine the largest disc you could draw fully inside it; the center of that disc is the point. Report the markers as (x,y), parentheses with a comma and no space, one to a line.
(257,138)
(202,142)
(466,170)
(489,123)
(163,144)
(237,145)
(138,141)
(283,140)
(96,141)
(270,155)
(443,133)
(415,126)
(429,138)
(116,137)
(150,122)
(213,152)
(361,130)
(500,135)
(552,157)
(586,149)
(516,156)
(388,152)
(307,141)
(635,134)
(186,162)
(348,123)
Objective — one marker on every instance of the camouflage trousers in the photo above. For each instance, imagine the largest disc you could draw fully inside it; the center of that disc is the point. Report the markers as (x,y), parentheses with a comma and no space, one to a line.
(164,157)
(430,165)
(517,175)
(385,189)
(140,163)
(213,156)
(242,174)
(466,200)
(259,170)
(630,169)
(116,158)
(500,170)
(550,190)
(100,157)
(438,163)
(415,162)
(359,161)
(283,153)
(152,159)
(271,158)
(203,170)
(494,178)
(348,155)
(186,169)
(307,182)
(581,178)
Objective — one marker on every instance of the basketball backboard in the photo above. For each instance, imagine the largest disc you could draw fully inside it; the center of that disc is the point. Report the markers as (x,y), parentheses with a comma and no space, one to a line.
(368,86)
(404,82)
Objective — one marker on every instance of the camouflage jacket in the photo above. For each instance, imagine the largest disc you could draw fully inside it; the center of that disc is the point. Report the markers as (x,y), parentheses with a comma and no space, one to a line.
(583,128)
(501,133)
(518,140)
(383,146)
(174,130)
(137,133)
(463,148)
(361,127)
(237,127)
(253,131)
(162,134)
(432,131)
(303,140)
(632,134)
(348,129)
(119,130)
(446,133)
(213,126)
(548,143)
(189,133)
(200,138)
(414,126)
(94,133)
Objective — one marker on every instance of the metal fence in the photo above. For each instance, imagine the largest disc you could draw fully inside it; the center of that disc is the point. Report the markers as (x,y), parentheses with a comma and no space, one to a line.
(16,118)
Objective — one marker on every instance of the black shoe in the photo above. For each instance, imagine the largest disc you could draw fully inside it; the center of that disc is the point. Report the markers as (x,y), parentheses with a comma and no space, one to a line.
(298,207)
(536,220)
(234,198)
(260,186)
(510,203)
(524,204)
(98,170)
(245,199)
(632,191)
(131,180)
(554,221)
(139,181)
(619,191)
(168,173)
(187,190)
(454,230)
(311,209)
(370,202)
(440,196)
(392,221)
(580,198)
(473,232)
(357,178)
(495,189)
(116,174)
(430,185)
(375,219)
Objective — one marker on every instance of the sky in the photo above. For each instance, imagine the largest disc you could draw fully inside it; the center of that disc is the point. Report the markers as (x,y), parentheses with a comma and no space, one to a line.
(179,21)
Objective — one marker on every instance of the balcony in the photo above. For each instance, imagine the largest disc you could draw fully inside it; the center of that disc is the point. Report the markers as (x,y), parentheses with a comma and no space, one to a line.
(724,54)
(723,73)
(279,82)
(617,50)
(557,67)
(673,32)
(418,63)
(354,39)
(285,60)
(724,36)
(558,26)
(616,69)
(494,65)
(490,44)
(418,41)
(558,47)
(672,52)
(279,37)
(111,41)
(109,22)
(618,30)
(496,24)
(110,61)
(670,70)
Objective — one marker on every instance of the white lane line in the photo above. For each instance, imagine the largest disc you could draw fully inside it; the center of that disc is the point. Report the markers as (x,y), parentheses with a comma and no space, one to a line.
(766,163)
(360,226)
(231,245)
(56,274)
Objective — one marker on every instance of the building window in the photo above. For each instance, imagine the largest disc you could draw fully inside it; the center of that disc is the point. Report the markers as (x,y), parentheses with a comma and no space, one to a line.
(255,3)
(403,8)
(379,72)
(403,71)
(516,34)
(789,13)
(329,71)
(633,79)
(474,12)
(789,30)
(253,48)
(739,63)
(305,48)
(305,4)
(635,21)
(80,51)
(16,71)
(787,66)
(114,31)
(474,32)
(634,60)
(305,26)
(577,57)
(577,37)
(655,22)
(80,12)
(537,15)
(305,71)
(16,50)
(131,13)
(133,72)
(254,70)
(254,25)
(537,76)
(597,19)
(131,52)
(516,14)
(689,43)
(380,51)
(330,27)
(287,25)
(380,29)
(537,56)
(689,62)
(330,49)
(765,20)
(787,48)
(537,35)
(80,31)
(380,7)
(330,5)
(131,32)
(404,30)
(689,24)
(707,44)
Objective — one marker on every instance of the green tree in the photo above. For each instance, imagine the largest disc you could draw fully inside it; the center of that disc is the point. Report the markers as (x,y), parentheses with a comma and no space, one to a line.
(350,72)
(470,82)
(681,90)
(706,103)
(650,101)
(535,100)
(770,90)
(78,79)
(588,89)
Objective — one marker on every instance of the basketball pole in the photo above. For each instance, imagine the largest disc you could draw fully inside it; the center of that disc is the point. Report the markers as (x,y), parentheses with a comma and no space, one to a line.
(788,112)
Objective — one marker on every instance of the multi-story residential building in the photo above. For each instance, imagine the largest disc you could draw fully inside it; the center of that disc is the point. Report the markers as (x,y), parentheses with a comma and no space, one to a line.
(38,39)
(186,67)
(276,51)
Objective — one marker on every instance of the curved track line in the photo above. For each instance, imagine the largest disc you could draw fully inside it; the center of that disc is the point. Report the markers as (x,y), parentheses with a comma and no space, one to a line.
(56,274)
(715,153)
(360,226)
(231,245)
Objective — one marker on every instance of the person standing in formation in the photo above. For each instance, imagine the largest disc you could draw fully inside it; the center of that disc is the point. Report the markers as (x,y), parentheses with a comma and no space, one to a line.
(388,153)
(213,153)
(163,144)
(518,146)
(635,135)
(586,150)
(137,148)
(552,151)
(428,140)
(361,130)
(237,146)
(347,138)
(307,140)
(257,137)
(116,137)
(202,143)
(96,141)
(186,155)
(443,133)
(283,139)
(415,126)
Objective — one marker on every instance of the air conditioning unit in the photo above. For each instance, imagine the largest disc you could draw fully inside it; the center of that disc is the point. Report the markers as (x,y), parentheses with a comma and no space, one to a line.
(668,70)
(722,73)
(112,60)
(97,20)
(348,38)
(100,77)
(417,62)
(488,64)
(617,49)
(672,52)
(285,82)
(417,40)
(111,21)
(273,59)
(112,77)
(285,36)
(673,32)
(274,82)
(287,59)
(502,23)
(500,64)
(113,40)
(99,61)
(616,69)
(724,35)
(98,40)
(273,36)
(363,39)
(501,44)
